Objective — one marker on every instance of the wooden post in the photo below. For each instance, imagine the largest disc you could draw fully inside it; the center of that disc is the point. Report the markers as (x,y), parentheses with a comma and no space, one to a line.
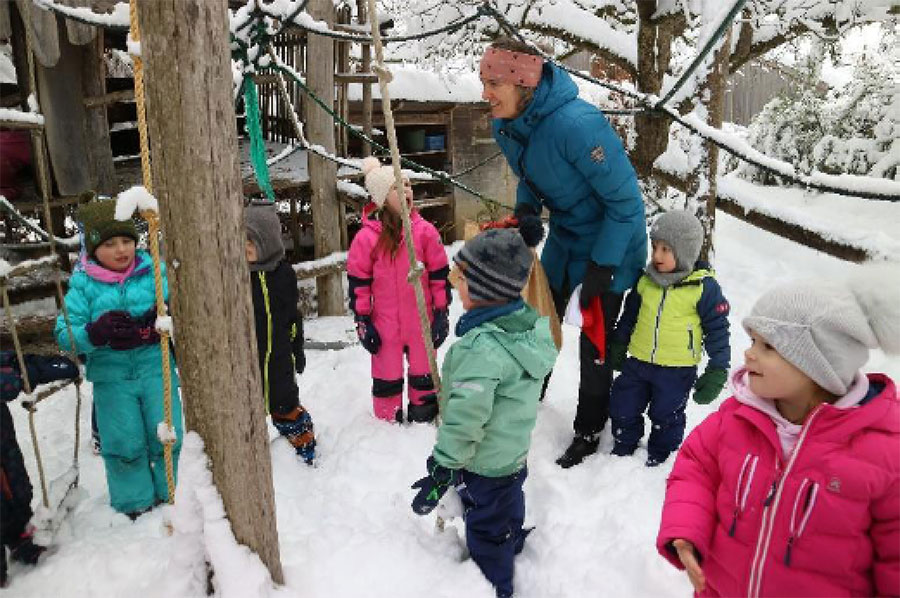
(361,9)
(322,172)
(96,124)
(184,45)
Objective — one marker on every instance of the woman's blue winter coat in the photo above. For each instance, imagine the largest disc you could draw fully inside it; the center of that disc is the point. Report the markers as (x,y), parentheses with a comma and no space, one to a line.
(576,162)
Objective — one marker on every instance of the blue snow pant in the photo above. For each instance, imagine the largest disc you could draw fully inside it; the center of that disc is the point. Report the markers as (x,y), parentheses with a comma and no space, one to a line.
(128,412)
(494,513)
(665,389)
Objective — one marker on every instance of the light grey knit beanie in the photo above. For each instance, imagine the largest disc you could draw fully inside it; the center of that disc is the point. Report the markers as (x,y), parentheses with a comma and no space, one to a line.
(826,328)
(683,232)
(496,265)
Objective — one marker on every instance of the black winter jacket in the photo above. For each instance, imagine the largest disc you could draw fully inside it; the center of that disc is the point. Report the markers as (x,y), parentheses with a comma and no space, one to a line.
(279,336)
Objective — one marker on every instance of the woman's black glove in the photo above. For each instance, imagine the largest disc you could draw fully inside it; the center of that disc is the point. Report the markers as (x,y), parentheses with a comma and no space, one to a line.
(530,226)
(596,282)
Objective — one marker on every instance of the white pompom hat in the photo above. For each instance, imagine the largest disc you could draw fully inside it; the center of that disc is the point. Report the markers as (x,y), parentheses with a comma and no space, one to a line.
(379,179)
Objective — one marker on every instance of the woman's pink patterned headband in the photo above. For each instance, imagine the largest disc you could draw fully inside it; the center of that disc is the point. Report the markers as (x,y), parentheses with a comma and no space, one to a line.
(506,66)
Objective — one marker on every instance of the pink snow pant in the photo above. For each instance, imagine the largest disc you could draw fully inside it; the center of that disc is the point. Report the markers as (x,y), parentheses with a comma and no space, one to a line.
(387,377)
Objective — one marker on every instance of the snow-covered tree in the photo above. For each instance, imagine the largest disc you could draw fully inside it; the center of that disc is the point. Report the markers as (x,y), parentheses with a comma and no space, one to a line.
(655,41)
(849,129)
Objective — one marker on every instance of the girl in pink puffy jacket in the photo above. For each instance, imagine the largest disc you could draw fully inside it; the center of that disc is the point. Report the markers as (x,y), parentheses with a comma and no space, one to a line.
(384,302)
(792,488)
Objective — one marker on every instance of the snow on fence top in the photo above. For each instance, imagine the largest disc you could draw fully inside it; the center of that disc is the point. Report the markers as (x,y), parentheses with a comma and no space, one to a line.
(17,116)
(418,85)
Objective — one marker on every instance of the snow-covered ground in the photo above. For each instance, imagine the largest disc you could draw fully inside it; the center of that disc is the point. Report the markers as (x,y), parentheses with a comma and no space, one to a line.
(346,528)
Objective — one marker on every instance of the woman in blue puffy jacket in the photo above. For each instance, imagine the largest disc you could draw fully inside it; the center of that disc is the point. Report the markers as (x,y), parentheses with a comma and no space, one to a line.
(111,303)
(569,159)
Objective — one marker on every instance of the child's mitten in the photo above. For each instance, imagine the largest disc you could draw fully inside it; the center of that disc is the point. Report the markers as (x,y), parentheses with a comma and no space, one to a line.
(368,334)
(109,326)
(432,487)
(440,327)
(709,385)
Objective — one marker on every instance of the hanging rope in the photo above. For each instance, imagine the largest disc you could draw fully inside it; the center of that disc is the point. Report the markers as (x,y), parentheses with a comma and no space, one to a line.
(257,145)
(152,219)
(415,267)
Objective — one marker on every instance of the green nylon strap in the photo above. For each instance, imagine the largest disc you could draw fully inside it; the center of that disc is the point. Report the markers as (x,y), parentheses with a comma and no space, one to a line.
(257,146)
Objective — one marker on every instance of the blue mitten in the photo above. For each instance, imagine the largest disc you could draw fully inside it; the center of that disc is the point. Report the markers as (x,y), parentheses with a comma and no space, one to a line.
(432,487)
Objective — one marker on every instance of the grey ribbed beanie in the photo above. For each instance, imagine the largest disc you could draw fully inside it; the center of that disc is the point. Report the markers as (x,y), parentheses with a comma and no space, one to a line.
(683,232)
(826,328)
(264,229)
(497,264)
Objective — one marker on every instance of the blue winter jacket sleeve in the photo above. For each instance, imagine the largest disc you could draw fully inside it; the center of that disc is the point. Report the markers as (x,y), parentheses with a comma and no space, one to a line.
(524,197)
(79,316)
(713,310)
(628,318)
(593,148)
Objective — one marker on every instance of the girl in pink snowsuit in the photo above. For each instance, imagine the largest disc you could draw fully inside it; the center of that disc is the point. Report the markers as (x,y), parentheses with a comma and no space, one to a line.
(384,302)
(792,488)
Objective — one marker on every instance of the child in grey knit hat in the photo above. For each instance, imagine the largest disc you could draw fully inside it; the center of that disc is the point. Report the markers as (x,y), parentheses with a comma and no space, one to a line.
(279,328)
(492,378)
(675,310)
(808,447)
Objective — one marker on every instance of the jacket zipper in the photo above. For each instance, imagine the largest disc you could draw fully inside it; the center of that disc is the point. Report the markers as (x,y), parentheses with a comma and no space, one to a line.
(809,502)
(656,326)
(768,517)
(265,373)
(691,340)
(740,498)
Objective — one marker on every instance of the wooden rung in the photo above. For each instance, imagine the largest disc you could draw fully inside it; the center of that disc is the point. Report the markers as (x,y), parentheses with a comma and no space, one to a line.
(125,95)
(56,202)
(355,78)
(30,266)
(19,124)
(433,202)
(52,388)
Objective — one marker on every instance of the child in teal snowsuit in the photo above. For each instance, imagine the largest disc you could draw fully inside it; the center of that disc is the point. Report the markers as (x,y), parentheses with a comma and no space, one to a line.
(492,378)
(111,304)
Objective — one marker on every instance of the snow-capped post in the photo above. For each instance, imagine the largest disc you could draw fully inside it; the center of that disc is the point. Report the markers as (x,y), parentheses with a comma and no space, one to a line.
(322,172)
(190,113)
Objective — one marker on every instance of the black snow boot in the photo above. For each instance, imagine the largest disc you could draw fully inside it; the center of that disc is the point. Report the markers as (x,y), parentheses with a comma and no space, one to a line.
(424,413)
(581,447)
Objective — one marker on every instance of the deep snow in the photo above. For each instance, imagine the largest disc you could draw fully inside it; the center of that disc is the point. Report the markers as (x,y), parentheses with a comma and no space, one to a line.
(345,527)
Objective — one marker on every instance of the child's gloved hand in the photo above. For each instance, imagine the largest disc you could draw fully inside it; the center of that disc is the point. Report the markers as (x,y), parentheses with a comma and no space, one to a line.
(709,385)
(368,334)
(440,327)
(112,325)
(530,226)
(687,554)
(432,487)
(616,354)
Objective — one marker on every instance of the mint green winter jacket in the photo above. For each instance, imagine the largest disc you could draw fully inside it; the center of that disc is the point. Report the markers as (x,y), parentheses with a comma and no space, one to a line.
(491,384)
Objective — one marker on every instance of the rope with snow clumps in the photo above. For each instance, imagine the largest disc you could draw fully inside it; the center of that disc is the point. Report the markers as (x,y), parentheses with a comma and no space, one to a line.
(152,218)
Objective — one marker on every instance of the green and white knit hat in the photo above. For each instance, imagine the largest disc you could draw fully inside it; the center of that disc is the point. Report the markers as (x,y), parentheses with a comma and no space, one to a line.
(98,223)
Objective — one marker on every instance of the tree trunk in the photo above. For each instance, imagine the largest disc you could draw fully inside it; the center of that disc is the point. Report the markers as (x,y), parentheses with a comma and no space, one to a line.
(702,195)
(654,54)
(322,172)
(195,171)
